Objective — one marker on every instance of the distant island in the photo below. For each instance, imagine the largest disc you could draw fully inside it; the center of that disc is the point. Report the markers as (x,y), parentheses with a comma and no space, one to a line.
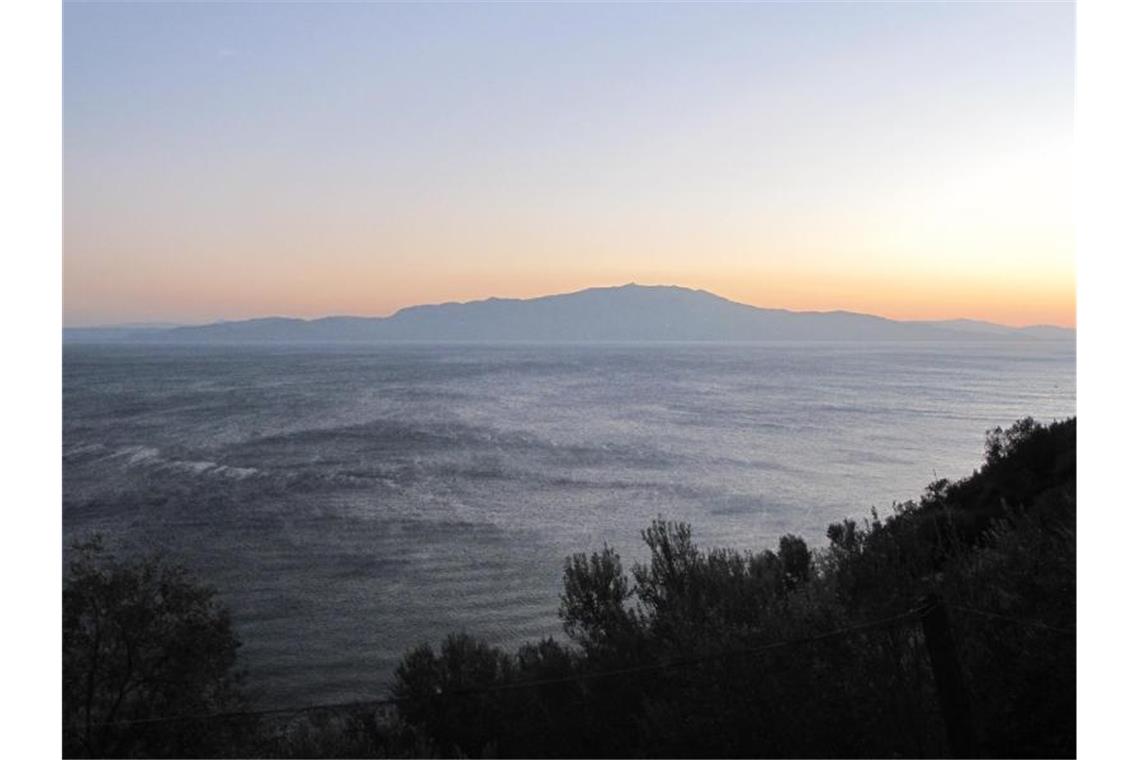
(629,313)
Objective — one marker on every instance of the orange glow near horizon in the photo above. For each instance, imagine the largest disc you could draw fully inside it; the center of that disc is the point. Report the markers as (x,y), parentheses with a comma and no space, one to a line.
(1011,302)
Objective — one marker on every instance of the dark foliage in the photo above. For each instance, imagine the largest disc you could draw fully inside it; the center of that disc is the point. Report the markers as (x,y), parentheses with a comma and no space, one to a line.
(143,644)
(673,659)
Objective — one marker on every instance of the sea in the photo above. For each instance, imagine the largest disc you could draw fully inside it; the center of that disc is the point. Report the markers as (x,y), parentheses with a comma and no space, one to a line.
(349,502)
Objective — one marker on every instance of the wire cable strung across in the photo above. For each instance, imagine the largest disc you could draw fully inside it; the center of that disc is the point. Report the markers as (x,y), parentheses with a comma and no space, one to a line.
(912,615)
(908,616)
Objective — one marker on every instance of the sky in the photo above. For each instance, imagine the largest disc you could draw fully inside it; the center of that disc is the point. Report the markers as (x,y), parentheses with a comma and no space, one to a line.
(226,161)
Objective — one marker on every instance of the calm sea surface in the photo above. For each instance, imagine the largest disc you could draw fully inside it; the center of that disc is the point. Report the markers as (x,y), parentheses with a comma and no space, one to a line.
(350,502)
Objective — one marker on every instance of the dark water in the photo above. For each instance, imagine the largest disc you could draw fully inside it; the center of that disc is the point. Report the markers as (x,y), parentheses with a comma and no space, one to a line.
(350,502)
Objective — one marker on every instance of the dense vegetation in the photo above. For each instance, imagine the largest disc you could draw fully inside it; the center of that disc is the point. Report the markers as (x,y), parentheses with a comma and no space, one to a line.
(792,652)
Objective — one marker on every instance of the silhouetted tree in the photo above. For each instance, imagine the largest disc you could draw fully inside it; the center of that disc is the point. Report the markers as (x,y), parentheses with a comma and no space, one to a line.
(147,651)
(593,604)
(795,558)
(451,694)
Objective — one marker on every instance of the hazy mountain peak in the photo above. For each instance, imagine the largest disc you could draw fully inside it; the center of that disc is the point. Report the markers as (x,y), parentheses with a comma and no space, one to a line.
(631,312)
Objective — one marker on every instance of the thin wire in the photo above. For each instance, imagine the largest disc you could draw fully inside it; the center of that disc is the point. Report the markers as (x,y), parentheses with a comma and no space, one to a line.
(1012,619)
(873,624)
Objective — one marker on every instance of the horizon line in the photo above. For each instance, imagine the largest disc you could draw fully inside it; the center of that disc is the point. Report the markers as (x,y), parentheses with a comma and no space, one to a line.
(164,324)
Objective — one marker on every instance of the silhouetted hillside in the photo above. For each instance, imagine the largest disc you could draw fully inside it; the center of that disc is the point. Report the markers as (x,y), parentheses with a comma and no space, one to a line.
(628,313)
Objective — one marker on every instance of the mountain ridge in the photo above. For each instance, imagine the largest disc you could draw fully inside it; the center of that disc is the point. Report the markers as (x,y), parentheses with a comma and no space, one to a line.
(624,313)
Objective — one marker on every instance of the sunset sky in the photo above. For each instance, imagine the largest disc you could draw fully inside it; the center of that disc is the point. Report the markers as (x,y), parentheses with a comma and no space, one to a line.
(231,161)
